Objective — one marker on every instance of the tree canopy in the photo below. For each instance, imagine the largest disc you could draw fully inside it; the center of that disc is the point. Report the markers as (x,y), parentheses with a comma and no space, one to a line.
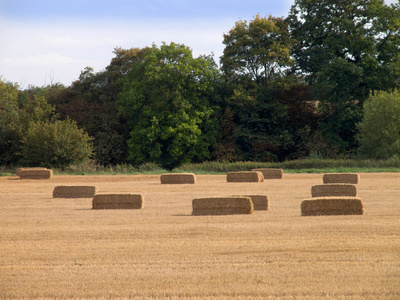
(167,100)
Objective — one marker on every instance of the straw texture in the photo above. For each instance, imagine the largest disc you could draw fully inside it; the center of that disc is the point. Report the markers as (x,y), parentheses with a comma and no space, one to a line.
(334,189)
(63,191)
(246,176)
(269,173)
(260,202)
(352,178)
(26,169)
(332,206)
(222,206)
(178,178)
(33,173)
(118,201)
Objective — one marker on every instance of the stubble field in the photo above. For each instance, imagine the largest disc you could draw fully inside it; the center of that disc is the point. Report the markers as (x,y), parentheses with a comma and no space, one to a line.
(61,248)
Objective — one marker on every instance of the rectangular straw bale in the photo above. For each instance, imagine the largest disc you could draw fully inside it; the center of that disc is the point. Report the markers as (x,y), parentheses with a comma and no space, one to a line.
(352,178)
(35,174)
(245,176)
(118,201)
(178,178)
(320,206)
(270,173)
(63,191)
(25,169)
(229,205)
(334,189)
(260,202)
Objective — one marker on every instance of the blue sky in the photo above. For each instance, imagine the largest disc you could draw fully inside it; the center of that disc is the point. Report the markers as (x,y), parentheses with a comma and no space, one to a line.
(49,41)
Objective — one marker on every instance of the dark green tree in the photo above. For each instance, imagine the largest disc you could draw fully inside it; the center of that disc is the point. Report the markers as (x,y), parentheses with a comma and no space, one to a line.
(345,49)
(167,100)
(255,61)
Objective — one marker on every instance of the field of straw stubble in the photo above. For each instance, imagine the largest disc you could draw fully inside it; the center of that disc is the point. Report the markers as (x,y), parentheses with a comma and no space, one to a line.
(61,248)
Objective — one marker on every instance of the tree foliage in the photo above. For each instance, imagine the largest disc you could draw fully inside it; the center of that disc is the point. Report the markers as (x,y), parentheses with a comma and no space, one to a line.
(57,144)
(167,101)
(18,110)
(255,64)
(91,102)
(257,50)
(380,127)
(345,49)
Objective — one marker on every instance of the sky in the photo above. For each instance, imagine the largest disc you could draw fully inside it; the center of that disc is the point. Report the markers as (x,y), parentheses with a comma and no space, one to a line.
(45,42)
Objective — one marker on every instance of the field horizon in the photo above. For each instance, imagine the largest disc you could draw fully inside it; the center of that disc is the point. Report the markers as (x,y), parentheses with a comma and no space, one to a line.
(62,248)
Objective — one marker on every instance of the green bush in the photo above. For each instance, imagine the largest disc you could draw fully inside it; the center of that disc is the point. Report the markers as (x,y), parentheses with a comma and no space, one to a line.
(55,145)
(379,131)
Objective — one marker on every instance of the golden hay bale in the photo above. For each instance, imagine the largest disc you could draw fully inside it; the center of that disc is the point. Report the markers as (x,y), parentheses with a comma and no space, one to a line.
(63,191)
(332,206)
(246,176)
(33,173)
(222,206)
(269,173)
(352,178)
(334,189)
(118,201)
(25,169)
(260,202)
(178,178)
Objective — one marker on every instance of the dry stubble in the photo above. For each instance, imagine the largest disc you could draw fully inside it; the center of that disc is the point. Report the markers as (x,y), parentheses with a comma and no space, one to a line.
(53,248)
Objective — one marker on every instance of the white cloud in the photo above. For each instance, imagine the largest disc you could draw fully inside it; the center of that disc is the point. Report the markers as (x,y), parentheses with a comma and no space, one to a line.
(30,53)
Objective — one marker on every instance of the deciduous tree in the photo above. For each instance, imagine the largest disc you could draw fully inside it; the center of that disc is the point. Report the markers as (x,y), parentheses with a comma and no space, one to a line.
(166,99)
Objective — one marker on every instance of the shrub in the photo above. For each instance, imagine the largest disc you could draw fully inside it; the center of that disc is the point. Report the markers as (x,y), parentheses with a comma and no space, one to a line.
(379,134)
(55,145)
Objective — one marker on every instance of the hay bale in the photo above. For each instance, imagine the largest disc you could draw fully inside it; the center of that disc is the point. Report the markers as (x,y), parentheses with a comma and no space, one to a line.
(321,206)
(178,178)
(246,176)
(334,189)
(35,173)
(269,173)
(260,202)
(25,169)
(118,201)
(229,205)
(352,178)
(62,191)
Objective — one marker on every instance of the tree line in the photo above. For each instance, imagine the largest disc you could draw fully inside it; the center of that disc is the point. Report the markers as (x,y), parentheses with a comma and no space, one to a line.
(321,82)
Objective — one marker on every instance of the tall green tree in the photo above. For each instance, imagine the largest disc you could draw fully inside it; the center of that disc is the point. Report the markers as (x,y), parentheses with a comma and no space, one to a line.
(168,101)
(345,49)
(255,61)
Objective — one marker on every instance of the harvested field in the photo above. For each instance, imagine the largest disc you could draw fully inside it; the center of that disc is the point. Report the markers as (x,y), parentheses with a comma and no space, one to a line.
(53,248)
